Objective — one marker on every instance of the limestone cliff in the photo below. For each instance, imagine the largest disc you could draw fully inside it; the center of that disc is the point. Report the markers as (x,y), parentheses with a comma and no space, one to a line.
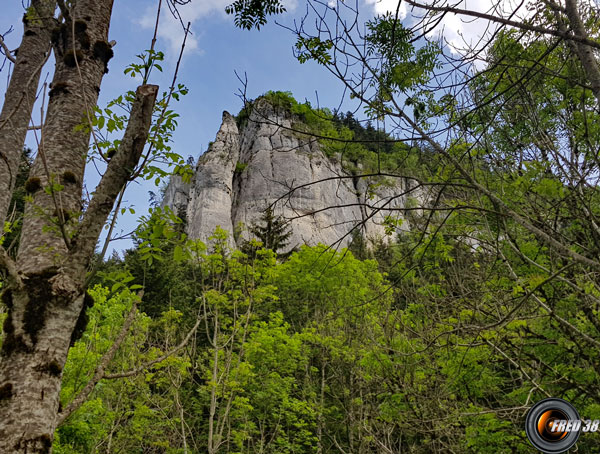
(267,162)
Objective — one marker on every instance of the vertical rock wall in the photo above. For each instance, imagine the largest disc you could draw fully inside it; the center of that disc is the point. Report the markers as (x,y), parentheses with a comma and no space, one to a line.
(268,162)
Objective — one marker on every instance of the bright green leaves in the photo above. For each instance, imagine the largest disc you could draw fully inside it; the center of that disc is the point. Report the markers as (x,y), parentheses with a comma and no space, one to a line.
(269,396)
(404,68)
(488,433)
(141,407)
(160,154)
(149,60)
(392,224)
(388,37)
(313,49)
(108,125)
(158,230)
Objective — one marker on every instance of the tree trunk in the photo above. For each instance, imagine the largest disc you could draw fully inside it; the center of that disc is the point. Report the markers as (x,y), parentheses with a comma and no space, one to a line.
(82,52)
(37,336)
(45,290)
(21,95)
(584,52)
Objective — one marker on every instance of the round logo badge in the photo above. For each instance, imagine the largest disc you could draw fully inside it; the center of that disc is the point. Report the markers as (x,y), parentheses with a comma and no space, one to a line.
(552,426)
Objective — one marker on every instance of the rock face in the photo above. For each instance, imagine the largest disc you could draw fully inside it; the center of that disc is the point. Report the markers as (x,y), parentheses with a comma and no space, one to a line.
(268,162)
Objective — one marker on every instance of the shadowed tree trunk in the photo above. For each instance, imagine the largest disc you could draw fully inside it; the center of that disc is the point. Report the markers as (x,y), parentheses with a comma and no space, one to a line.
(44,289)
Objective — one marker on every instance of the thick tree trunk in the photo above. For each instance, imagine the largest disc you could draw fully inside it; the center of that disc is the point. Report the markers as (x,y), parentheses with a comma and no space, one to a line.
(21,95)
(46,302)
(82,52)
(45,290)
(37,336)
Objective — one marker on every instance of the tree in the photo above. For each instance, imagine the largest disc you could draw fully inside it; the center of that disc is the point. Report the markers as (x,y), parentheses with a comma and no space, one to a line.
(272,231)
(44,287)
(511,122)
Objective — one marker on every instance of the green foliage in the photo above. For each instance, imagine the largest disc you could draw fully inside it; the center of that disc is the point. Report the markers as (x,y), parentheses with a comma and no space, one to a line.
(140,406)
(323,342)
(253,13)
(313,49)
(162,227)
(240,167)
(112,120)
(149,60)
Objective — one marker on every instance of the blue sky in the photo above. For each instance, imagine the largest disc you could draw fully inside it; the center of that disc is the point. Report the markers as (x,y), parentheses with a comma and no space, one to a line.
(215,50)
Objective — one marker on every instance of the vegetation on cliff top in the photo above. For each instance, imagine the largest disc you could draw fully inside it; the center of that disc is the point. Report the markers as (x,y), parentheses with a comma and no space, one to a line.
(360,148)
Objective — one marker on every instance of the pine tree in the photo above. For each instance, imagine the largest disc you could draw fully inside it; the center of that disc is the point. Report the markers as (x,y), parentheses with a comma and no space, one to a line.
(273,232)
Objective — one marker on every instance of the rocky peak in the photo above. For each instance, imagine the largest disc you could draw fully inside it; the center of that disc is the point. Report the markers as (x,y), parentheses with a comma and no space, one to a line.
(269,162)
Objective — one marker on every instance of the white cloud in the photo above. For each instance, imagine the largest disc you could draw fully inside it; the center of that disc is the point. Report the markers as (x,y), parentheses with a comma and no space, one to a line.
(459,31)
(171,30)
(385,6)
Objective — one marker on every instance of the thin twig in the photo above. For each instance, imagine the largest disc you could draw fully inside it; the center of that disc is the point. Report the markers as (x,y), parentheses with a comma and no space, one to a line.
(7,52)
(166,105)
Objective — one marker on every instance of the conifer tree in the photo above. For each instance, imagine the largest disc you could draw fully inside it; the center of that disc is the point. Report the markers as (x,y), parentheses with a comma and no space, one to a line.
(273,232)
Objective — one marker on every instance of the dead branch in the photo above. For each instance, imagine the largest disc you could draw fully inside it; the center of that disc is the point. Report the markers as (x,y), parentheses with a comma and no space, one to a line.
(118,172)
(104,362)
(149,365)
(6,50)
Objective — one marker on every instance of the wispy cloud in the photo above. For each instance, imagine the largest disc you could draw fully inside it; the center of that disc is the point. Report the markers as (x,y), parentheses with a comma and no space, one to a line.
(388,6)
(171,29)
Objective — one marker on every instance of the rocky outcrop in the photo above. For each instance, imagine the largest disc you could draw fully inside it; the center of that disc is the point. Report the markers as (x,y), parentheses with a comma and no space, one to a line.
(211,195)
(269,162)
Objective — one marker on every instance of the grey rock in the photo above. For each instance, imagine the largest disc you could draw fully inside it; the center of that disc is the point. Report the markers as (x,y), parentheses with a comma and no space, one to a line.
(177,195)
(270,162)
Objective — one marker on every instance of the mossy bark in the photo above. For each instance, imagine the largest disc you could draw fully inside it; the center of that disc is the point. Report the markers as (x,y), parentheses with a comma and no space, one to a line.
(37,337)
(45,289)
(21,95)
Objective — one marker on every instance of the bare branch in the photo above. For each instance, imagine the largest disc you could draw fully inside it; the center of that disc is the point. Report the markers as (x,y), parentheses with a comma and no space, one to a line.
(520,25)
(104,362)
(149,365)
(7,52)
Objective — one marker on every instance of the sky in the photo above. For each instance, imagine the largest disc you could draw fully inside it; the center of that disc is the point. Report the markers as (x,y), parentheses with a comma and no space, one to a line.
(214,52)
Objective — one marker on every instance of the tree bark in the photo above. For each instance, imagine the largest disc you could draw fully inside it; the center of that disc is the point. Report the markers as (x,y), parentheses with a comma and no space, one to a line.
(45,290)
(21,94)
(44,308)
(584,51)
(82,52)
